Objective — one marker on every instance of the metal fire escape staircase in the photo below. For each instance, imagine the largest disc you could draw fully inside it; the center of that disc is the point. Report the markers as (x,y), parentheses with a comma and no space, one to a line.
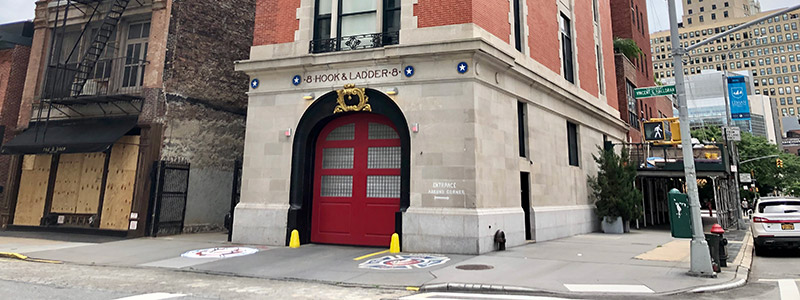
(98,44)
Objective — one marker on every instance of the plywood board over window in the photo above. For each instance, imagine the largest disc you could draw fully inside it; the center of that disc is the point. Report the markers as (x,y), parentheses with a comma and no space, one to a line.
(32,189)
(65,191)
(120,184)
(90,183)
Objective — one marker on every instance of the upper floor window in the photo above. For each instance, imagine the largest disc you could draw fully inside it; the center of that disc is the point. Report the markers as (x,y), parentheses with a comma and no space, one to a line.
(566,48)
(354,24)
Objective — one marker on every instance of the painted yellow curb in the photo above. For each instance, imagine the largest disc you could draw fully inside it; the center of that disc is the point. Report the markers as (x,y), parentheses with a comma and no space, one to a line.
(371,254)
(26,258)
(13,255)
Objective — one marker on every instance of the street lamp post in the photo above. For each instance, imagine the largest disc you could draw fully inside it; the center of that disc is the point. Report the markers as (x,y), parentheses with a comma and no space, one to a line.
(700,257)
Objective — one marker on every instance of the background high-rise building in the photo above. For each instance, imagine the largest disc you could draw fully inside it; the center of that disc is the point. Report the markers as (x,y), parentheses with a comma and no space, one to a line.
(698,12)
(770,51)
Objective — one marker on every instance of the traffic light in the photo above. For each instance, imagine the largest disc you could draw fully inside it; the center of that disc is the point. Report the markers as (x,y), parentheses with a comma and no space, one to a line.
(779,163)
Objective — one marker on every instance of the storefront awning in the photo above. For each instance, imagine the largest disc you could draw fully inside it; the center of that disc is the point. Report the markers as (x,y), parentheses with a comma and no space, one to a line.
(70,136)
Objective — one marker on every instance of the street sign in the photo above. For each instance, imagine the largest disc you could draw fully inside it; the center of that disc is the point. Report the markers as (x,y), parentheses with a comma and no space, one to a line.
(745,178)
(733,133)
(654,91)
(656,131)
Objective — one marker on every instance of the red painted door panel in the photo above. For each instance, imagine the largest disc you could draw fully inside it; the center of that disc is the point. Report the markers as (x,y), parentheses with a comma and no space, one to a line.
(356,181)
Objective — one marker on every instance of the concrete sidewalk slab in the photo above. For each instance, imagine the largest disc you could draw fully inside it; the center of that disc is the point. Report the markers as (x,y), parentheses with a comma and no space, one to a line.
(587,260)
(322,263)
(27,245)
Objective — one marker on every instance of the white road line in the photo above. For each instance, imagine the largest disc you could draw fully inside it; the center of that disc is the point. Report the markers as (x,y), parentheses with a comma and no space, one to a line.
(787,287)
(609,288)
(464,296)
(152,296)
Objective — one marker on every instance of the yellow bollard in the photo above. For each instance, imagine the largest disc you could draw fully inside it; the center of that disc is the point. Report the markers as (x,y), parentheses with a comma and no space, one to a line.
(394,247)
(294,240)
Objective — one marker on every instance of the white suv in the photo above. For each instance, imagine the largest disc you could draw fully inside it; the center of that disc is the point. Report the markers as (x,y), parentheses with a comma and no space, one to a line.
(776,223)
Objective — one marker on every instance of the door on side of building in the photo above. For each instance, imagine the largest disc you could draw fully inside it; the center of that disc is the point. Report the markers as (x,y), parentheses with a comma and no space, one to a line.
(356,181)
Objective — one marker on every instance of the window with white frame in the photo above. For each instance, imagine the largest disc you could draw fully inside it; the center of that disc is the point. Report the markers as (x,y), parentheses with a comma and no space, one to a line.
(355,24)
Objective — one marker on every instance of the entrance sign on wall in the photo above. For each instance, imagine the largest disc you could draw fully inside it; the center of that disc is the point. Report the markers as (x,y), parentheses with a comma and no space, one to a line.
(443,190)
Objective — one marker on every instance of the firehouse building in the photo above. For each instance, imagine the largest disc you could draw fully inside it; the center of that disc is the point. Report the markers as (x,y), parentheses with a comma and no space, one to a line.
(443,121)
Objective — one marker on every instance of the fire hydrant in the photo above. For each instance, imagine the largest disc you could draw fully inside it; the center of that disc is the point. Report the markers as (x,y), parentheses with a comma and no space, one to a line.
(717,245)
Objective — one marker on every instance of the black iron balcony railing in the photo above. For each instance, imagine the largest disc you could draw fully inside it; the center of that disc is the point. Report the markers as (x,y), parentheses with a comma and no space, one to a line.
(112,76)
(354,42)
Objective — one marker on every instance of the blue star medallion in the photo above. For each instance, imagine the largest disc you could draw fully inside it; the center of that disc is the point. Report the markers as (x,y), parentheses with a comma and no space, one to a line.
(254,83)
(296,80)
(409,71)
(462,67)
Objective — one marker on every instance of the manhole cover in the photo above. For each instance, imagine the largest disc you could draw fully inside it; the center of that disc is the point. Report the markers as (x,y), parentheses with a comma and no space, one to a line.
(474,267)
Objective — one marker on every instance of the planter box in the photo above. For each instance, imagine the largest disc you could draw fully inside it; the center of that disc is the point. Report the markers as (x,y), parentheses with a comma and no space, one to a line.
(612,225)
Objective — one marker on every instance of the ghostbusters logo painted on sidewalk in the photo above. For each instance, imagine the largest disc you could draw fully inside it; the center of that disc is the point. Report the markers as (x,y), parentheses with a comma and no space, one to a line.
(404,262)
(219,252)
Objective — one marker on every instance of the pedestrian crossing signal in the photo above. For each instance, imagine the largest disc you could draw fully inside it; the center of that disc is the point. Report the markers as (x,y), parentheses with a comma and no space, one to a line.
(657,131)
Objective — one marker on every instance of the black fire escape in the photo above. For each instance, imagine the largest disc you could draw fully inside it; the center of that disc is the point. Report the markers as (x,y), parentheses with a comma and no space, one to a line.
(80,81)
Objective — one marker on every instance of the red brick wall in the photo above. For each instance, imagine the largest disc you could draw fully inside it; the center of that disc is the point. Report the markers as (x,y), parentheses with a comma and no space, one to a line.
(543,33)
(608,52)
(492,15)
(276,21)
(585,46)
(13,68)
(625,27)
(431,13)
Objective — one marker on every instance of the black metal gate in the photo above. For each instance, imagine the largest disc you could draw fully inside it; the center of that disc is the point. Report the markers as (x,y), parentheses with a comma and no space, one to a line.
(236,193)
(168,201)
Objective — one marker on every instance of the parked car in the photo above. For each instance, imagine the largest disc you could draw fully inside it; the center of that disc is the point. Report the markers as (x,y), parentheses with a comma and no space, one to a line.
(775,223)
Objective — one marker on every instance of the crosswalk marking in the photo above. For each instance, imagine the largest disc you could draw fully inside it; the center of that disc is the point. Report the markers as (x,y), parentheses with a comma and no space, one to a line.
(788,288)
(152,296)
(609,288)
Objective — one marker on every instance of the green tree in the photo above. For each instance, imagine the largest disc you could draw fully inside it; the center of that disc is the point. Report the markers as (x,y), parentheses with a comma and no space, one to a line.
(613,187)
(627,47)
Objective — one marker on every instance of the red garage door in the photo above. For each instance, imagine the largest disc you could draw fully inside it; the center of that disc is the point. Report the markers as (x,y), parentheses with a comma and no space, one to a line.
(356,181)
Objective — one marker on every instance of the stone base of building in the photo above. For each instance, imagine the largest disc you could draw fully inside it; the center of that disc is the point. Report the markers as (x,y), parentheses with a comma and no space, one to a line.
(553,222)
(260,224)
(460,230)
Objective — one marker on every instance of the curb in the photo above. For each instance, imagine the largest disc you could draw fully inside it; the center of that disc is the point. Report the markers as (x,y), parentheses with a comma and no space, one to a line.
(19,256)
(743,262)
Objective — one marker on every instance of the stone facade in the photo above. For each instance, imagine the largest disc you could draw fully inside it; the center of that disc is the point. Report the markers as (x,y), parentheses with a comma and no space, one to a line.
(467,129)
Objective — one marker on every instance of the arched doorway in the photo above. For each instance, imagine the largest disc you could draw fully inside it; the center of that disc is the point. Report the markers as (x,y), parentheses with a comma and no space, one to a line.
(308,135)
(356,181)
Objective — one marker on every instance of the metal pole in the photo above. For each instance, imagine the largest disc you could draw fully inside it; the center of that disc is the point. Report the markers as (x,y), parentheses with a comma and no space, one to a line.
(700,257)
(731,144)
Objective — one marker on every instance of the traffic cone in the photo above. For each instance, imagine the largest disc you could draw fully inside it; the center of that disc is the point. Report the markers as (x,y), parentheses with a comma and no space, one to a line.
(294,240)
(394,247)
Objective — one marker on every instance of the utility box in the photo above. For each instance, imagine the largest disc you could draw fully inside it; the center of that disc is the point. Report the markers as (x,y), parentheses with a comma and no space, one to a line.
(680,215)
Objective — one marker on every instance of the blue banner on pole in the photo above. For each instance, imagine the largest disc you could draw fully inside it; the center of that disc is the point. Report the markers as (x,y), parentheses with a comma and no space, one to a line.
(737,93)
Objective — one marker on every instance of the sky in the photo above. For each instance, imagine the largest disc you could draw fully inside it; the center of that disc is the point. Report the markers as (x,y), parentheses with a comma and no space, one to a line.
(20,10)
(16,10)
(657,13)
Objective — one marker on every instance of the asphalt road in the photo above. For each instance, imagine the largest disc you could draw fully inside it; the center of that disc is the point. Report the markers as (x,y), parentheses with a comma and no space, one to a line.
(20,280)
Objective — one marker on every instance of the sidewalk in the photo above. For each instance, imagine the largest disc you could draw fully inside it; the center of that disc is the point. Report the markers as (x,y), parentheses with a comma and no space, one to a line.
(643,261)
